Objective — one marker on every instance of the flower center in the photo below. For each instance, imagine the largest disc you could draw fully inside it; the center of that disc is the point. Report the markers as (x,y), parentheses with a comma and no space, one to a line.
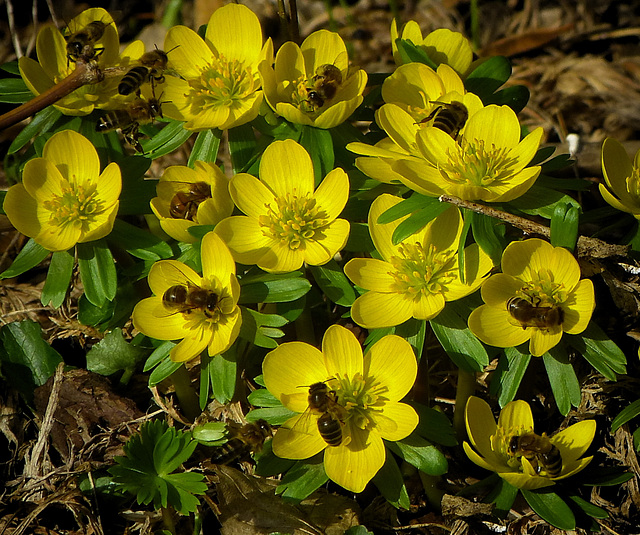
(633,183)
(420,271)
(360,397)
(542,290)
(294,220)
(473,164)
(222,83)
(78,205)
(209,303)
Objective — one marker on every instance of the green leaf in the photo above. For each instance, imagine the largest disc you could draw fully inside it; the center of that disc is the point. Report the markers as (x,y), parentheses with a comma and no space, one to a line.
(542,201)
(138,242)
(263,398)
(163,371)
(205,147)
(333,283)
(391,485)
(223,371)
(58,278)
(564,226)
(269,464)
(257,328)
(26,359)
(112,354)
(590,509)
(358,530)
(503,494)
(420,453)
(166,141)
(159,354)
(273,415)
(413,331)
(30,256)
(562,377)
(487,77)
(509,373)
(543,153)
(41,122)
(97,271)
(489,235)
(410,53)
(14,91)
(242,146)
(596,347)
(319,144)
(626,414)
(407,206)
(273,288)
(136,191)
(417,221)
(515,96)
(550,507)
(359,239)
(466,351)
(302,480)
(210,433)
(434,425)
(604,476)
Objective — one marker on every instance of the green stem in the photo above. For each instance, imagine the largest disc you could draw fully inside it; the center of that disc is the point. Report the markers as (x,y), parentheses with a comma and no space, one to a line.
(475,38)
(186,395)
(432,490)
(304,327)
(465,389)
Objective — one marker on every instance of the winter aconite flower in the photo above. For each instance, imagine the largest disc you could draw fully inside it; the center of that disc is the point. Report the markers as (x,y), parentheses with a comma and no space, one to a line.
(287,223)
(220,85)
(505,448)
(416,277)
(64,199)
(487,162)
(56,63)
(622,178)
(365,396)
(442,46)
(312,84)
(188,197)
(537,297)
(201,311)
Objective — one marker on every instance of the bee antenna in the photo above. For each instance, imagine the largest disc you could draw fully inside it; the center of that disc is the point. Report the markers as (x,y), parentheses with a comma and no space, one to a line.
(177,46)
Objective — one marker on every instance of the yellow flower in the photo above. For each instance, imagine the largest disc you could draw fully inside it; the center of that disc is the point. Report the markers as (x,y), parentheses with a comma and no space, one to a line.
(311,84)
(366,393)
(220,85)
(63,198)
(202,311)
(188,197)
(537,297)
(487,162)
(415,95)
(286,222)
(442,46)
(622,178)
(496,448)
(54,65)
(417,276)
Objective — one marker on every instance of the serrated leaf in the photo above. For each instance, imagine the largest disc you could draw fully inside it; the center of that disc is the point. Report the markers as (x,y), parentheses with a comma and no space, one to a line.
(113,354)
(562,378)
(550,507)
(333,283)
(30,256)
(58,278)
(210,433)
(97,271)
(420,453)
(302,480)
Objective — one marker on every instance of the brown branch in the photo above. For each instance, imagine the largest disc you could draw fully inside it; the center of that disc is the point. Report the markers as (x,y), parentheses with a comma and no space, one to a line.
(85,73)
(591,247)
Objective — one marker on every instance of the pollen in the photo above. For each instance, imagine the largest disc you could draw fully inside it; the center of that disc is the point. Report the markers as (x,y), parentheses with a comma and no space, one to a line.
(633,183)
(543,290)
(421,271)
(294,220)
(78,205)
(360,397)
(474,164)
(222,83)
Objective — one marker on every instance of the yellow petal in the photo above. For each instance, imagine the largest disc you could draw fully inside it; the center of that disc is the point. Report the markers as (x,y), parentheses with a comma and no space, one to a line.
(217,262)
(42,180)
(481,424)
(445,230)
(525,481)
(342,352)
(374,310)
(332,239)
(244,237)
(499,288)
(475,458)
(251,195)
(617,168)
(167,273)
(493,326)
(370,274)
(381,234)
(543,340)
(298,438)
(289,371)
(332,193)
(21,208)
(74,156)
(189,53)
(280,258)
(559,262)
(516,259)
(234,31)
(146,320)
(109,184)
(225,332)
(496,125)
(428,306)
(324,47)
(286,168)
(354,465)
(58,238)
(393,364)
(574,441)
(396,421)
(399,126)
(516,415)
(191,345)
(578,308)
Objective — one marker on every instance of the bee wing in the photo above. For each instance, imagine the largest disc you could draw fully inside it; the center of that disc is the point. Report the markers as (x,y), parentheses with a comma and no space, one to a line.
(299,437)
(167,273)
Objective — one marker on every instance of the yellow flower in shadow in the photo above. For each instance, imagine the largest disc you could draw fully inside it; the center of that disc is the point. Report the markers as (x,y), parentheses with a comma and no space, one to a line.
(312,84)
(201,311)
(537,297)
(622,178)
(64,199)
(512,450)
(365,394)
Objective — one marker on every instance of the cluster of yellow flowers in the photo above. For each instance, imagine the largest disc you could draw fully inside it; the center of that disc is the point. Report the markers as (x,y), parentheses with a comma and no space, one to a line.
(285,218)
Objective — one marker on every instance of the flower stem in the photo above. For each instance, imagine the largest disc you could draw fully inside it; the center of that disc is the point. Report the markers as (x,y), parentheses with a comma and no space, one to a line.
(433,492)
(304,327)
(186,395)
(464,390)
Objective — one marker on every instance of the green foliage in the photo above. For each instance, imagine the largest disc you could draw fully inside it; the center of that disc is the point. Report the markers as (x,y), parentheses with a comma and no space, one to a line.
(148,469)
(549,506)
(113,354)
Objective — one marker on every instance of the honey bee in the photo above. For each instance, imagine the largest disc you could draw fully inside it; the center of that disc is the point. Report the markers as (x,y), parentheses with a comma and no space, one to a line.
(187,298)
(81,44)
(151,68)
(184,204)
(539,451)
(528,315)
(243,441)
(324,85)
(323,402)
(129,119)
(450,117)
